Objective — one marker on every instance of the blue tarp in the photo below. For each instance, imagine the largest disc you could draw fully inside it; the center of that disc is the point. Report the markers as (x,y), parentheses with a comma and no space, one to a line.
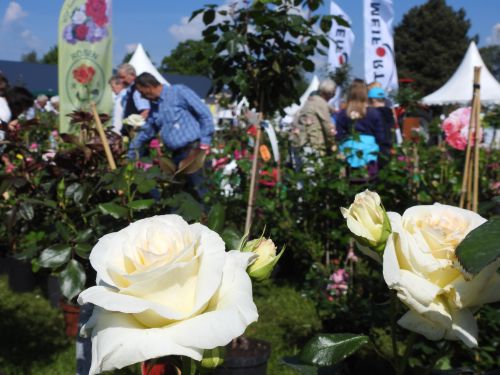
(42,78)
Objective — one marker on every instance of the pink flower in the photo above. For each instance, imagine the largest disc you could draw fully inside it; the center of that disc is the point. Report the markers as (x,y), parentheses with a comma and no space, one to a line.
(456,128)
(143,166)
(33,147)
(155,143)
(351,256)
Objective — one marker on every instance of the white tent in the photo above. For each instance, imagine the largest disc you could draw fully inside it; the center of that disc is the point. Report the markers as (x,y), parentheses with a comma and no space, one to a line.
(458,89)
(294,108)
(141,62)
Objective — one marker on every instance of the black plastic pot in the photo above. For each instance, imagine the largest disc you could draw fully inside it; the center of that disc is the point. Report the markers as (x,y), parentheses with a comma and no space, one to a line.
(246,362)
(21,276)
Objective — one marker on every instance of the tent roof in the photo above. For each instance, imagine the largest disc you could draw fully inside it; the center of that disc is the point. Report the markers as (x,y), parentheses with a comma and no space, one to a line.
(38,78)
(458,89)
(141,62)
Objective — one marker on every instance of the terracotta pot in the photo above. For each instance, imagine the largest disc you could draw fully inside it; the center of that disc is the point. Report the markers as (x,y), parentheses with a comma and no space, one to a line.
(71,315)
(411,124)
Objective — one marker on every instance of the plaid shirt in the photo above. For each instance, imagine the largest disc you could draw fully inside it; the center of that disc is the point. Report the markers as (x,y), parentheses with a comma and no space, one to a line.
(179,116)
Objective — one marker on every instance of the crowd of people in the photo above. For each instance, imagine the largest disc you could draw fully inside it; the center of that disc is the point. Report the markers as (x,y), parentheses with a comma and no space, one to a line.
(361,129)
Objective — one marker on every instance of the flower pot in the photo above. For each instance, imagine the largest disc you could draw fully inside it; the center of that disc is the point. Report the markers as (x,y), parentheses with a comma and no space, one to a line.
(21,276)
(251,360)
(71,314)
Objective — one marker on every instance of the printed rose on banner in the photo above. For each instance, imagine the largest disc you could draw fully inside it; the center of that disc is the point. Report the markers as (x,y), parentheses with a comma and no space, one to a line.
(456,129)
(420,265)
(84,74)
(96,9)
(165,287)
(81,32)
(88,23)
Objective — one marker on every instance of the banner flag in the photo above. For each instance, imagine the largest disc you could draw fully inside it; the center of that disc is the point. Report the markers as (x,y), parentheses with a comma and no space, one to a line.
(380,62)
(85,60)
(341,39)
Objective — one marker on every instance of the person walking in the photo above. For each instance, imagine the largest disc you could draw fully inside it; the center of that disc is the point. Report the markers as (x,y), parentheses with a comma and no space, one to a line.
(181,119)
(312,129)
(360,130)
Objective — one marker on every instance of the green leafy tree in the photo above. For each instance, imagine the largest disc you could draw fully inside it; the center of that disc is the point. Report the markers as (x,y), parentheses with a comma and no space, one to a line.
(491,57)
(30,57)
(263,46)
(51,57)
(430,42)
(192,57)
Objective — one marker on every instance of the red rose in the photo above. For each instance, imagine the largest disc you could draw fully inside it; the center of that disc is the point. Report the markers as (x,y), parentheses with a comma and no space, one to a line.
(81,32)
(84,74)
(96,9)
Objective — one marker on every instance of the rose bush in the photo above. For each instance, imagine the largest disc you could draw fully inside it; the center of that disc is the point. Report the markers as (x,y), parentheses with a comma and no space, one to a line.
(165,287)
(420,264)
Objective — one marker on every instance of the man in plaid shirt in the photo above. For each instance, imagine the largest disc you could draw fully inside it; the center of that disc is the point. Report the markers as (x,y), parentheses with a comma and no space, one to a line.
(180,118)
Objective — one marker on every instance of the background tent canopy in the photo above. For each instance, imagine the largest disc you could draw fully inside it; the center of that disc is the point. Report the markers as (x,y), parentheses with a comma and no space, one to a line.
(141,62)
(458,89)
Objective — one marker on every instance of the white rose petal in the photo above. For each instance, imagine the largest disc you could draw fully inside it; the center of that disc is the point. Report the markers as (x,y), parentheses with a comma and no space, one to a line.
(165,288)
(419,263)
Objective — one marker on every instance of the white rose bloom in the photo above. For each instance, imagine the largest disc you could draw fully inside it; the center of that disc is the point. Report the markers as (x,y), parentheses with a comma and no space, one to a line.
(165,287)
(134,120)
(420,264)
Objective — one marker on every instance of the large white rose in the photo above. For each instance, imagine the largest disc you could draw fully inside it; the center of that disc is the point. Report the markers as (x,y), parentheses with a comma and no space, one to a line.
(420,264)
(165,287)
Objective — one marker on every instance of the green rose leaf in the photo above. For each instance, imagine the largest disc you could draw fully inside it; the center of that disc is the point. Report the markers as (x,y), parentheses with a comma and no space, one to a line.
(83,250)
(72,279)
(480,247)
(216,218)
(26,211)
(329,349)
(55,256)
(297,365)
(84,235)
(146,186)
(232,238)
(110,208)
(142,204)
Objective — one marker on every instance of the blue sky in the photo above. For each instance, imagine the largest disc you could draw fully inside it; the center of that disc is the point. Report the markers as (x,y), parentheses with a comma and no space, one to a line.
(160,24)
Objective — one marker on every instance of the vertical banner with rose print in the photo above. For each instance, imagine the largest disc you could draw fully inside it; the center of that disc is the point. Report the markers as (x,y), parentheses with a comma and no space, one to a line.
(85,61)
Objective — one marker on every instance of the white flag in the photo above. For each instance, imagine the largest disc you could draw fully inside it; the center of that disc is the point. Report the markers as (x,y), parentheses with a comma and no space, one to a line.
(341,40)
(380,63)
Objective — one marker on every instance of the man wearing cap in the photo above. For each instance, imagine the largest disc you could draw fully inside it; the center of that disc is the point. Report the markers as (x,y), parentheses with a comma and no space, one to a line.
(377,100)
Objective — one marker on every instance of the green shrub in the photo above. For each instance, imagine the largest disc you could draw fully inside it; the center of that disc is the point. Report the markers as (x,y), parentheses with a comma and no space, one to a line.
(31,330)
(286,320)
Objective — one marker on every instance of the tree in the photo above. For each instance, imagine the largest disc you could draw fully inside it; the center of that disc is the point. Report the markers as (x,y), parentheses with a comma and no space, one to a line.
(430,43)
(263,46)
(51,57)
(491,57)
(192,57)
(30,57)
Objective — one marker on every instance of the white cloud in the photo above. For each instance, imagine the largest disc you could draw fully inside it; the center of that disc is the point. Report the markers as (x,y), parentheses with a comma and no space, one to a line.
(13,13)
(494,38)
(130,48)
(15,37)
(187,30)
